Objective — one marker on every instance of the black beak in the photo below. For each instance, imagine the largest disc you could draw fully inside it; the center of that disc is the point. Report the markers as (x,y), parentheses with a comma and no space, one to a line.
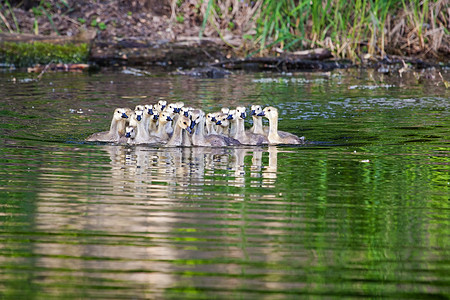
(127,134)
(219,122)
(169,119)
(214,119)
(261,114)
(189,129)
(150,111)
(155,117)
(138,118)
(162,107)
(230,117)
(253,112)
(124,115)
(192,124)
(186,114)
(243,115)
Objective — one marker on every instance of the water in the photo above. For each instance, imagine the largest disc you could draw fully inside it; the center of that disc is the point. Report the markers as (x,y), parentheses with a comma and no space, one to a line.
(361,211)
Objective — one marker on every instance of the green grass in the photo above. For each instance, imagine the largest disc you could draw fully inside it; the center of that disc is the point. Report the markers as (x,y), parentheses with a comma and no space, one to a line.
(349,28)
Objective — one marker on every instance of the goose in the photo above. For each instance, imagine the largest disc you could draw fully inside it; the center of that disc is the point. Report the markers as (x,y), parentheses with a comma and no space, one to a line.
(153,122)
(142,134)
(211,123)
(186,111)
(232,118)
(258,127)
(177,138)
(245,137)
(200,138)
(276,137)
(148,113)
(130,134)
(174,110)
(116,129)
(165,122)
(223,125)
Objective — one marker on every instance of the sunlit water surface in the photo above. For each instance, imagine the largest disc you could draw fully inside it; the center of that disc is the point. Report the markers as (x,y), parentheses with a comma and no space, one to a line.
(362,210)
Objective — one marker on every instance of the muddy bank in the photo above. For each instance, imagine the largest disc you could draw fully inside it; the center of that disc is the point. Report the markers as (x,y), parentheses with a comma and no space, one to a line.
(206,57)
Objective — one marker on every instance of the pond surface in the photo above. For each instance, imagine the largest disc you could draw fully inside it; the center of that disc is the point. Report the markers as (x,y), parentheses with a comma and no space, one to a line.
(362,210)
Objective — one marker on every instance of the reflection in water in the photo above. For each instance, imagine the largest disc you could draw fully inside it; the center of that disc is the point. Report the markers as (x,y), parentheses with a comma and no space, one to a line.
(134,200)
(189,166)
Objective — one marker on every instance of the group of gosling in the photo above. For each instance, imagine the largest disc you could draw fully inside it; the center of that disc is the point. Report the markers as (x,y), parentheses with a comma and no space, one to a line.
(176,125)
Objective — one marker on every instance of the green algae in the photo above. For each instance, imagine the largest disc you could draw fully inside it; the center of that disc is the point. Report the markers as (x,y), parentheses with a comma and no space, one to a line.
(28,54)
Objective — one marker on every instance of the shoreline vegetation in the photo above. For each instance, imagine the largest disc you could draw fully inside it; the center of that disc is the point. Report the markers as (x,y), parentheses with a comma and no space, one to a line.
(221,32)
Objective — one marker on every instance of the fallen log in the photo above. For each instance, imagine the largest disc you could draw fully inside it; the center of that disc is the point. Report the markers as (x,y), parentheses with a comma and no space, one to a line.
(84,37)
(280,64)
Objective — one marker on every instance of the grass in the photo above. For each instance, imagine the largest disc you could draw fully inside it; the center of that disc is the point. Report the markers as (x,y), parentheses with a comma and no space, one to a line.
(349,28)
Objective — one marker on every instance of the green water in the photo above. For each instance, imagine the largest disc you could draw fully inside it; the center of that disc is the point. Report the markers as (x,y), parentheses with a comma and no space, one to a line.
(361,211)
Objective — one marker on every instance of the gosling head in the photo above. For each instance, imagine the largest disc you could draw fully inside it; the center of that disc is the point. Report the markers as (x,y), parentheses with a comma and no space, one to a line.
(255,110)
(211,118)
(269,112)
(185,111)
(159,107)
(139,107)
(138,115)
(165,117)
(184,123)
(148,109)
(196,117)
(231,114)
(120,114)
(171,108)
(130,132)
(225,110)
(179,105)
(222,120)
(240,112)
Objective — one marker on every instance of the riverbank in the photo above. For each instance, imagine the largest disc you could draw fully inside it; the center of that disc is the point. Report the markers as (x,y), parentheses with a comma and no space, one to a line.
(200,33)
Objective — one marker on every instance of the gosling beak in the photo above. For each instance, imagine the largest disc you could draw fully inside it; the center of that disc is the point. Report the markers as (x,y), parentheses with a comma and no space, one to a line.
(253,112)
(177,110)
(138,118)
(162,107)
(127,134)
(150,111)
(214,119)
(192,125)
(219,122)
(124,115)
(261,114)
(169,119)
(186,114)
(243,115)
(229,117)
(189,129)
(155,117)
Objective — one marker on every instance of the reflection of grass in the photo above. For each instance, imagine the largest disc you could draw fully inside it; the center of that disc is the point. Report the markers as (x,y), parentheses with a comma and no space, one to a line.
(25,54)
